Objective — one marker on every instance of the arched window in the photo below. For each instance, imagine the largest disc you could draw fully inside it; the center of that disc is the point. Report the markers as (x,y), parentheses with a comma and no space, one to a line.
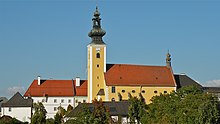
(113,99)
(97,55)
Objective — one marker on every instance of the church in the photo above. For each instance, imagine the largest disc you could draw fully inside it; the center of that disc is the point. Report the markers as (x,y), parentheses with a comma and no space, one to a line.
(115,82)
(109,82)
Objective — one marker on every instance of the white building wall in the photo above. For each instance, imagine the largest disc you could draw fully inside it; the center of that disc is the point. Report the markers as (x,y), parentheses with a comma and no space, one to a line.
(21,113)
(52,103)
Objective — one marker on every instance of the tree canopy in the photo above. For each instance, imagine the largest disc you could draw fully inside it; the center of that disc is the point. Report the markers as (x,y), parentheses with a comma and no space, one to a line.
(187,105)
(136,108)
(99,114)
(39,116)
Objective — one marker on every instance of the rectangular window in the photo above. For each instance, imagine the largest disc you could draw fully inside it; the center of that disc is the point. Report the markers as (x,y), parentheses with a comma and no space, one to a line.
(113,89)
(62,100)
(55,100)
(69,101)
(55,108)
(9,109)
(84,101)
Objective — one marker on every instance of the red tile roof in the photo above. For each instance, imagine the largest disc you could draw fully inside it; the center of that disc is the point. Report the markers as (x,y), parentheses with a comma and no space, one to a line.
(56,88)
(82,89)
(138,75)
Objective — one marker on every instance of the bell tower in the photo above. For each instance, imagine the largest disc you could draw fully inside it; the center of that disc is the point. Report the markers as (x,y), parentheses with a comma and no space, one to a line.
(96,60)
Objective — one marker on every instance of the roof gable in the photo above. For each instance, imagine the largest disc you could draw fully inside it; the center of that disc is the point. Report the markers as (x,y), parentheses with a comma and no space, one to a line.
(139,75)
(18,101)
(183,80)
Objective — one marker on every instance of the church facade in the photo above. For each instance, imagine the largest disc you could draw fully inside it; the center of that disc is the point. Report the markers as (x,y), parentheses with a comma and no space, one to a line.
(116,82)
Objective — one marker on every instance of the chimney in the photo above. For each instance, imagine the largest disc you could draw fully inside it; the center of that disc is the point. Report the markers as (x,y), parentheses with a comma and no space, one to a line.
(38,80)
(77,81)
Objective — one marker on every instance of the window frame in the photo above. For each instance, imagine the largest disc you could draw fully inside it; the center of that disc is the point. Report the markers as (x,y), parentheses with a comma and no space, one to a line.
(113,89)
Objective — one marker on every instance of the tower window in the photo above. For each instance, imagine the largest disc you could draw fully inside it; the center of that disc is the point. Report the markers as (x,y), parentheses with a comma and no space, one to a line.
(97,55)
(97,65)
(113,89)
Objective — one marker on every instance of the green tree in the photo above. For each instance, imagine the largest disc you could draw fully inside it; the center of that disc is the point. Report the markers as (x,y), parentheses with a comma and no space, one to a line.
(83,117)
(136,108)
(58,118)
(186,105)
(50,121)
(39,116)
(100,115)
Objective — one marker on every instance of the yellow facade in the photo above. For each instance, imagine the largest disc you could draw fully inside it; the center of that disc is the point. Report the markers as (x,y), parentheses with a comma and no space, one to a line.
(147,92)
(96,69)
(96,80)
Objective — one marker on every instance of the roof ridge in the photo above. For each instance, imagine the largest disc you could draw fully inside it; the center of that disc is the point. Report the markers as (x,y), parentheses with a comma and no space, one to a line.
(141,65)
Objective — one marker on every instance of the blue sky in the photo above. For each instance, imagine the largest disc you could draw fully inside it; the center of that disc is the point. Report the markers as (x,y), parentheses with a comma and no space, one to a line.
(50,37)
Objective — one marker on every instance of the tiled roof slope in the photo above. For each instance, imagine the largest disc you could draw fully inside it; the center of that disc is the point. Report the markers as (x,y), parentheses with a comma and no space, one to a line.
(138,75)
(18,101)
(56,88)
(82,89)
(183,80)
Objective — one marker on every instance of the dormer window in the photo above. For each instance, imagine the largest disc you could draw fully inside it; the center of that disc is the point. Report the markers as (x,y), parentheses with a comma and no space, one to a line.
(97,55)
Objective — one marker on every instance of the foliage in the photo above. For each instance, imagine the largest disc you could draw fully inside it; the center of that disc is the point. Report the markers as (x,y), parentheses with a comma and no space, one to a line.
(187,105)
(58,118)
(136,109)
(83,117)
(100,114)
(50,121)
(61,111)
(69,108)
(12,121)
(39,116)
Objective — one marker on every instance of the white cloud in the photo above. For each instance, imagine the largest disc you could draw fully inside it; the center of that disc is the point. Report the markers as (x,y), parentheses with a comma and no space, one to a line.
(12,90)
(213,83)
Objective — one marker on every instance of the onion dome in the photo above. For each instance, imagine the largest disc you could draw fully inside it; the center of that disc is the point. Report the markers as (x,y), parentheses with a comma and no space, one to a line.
(97,32)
